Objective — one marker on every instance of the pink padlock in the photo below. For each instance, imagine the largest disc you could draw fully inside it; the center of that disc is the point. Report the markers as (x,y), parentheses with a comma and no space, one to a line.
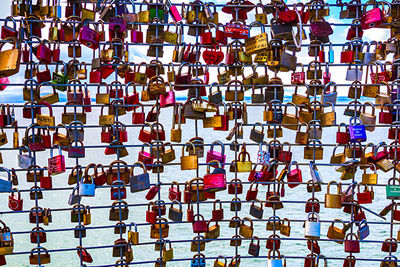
(214,155)
(199,224)
(89,37)
(117,24)
(137,36)
(168,100)
(4,81)
(44,53)
(372,18)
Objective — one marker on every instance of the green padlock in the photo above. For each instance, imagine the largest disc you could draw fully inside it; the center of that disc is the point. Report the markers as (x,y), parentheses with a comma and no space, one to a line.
(393,189)
(60,77)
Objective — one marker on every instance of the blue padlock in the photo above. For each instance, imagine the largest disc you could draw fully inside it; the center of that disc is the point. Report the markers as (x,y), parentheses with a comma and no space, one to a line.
(363,230)
(139,182)
(87,187)
(199,260)
(331,54)
(357,130)
(5,183)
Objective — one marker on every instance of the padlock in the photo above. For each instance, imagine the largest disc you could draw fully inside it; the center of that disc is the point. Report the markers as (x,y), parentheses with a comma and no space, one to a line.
(333,200)
(312,226)
(336,233)
(256,135)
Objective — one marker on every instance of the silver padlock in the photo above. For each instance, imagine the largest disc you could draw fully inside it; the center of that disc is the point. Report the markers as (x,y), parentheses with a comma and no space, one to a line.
(354,74)
(277,261)
(312,226)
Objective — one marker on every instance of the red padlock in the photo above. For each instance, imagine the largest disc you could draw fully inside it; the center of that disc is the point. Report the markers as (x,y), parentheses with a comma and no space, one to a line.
(350,244)
(38,233)
(84,254)
(235,186)
(138,117)
(390,245)
(190,213)
(220,36)
(116,90)
(131,99)
(56,164)
(99,178)
(157,132)
(342,137)
(7,31)
(217,214)
(294,176)
(44,75)
(313,246)
(285,156)
(206,36)
(273,242)
(46,182)
(347,56)
(174,193)
(252,192)
(55,53)
(153,191)
(121,132)
(30,110)
(15,202)
(354,31)
(359,216)
(46,137)
(396,213)
(312,205)
(95,76)
(364,197)
(349,261)
(298,77)
(310,260)
(144,135)
(151,215)
(146,157)
(385,117)
(106,134)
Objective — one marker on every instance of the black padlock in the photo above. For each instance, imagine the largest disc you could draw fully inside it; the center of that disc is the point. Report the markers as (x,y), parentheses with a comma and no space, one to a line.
(256,211)
(80,230)
(256,135)
(120,228)
(236,204)
(254,247)
(175,214)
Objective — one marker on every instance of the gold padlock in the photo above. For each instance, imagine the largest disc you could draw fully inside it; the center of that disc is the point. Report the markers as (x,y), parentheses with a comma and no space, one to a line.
(189,162)
(285,228)
(336,233)
(333,201)
(246,230)
(370,178)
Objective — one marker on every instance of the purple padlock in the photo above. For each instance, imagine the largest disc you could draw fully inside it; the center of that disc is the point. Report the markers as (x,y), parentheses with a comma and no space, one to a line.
(357,131)
(117,24)
(214,155)
(89,37)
